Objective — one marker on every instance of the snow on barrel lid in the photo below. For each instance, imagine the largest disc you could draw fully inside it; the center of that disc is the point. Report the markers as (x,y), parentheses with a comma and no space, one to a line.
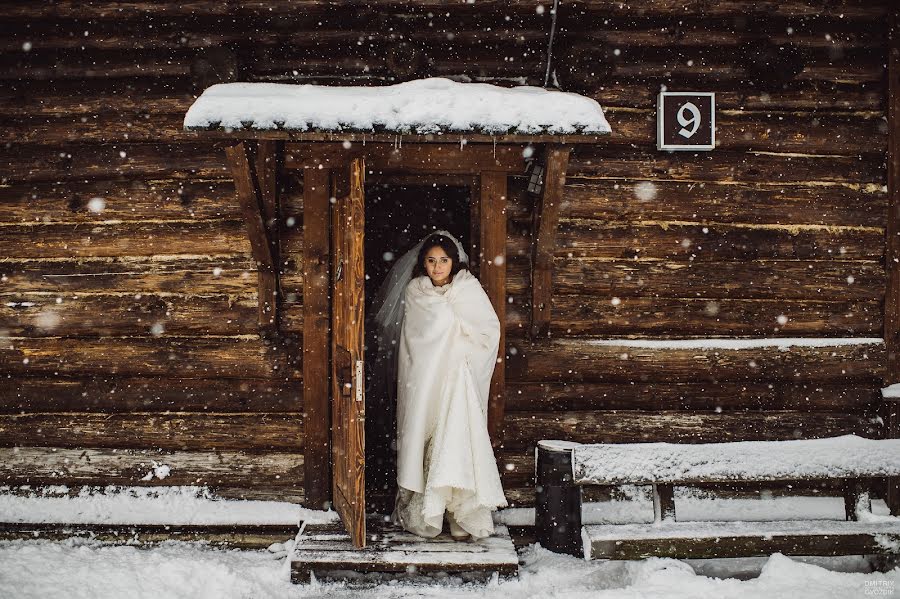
(425,106)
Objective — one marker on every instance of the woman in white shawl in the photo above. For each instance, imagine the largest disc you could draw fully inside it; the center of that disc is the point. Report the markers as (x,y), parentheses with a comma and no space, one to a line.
(447,352)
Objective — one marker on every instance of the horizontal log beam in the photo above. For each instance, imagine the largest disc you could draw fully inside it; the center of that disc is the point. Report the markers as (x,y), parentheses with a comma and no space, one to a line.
(50,466)
(579,360)
(705,397)
(171,432)
(440,158)
(111,394)
(525,429)
(227,357)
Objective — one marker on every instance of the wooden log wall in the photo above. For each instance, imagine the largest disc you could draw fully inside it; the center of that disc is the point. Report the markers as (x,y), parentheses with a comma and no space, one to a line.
(129,291)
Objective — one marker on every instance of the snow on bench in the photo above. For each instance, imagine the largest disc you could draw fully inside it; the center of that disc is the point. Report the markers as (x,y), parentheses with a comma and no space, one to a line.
(563,467)
(424,106)
(849,456)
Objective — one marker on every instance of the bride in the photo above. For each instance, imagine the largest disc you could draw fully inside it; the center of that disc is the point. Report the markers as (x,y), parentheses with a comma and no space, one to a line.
(437,327)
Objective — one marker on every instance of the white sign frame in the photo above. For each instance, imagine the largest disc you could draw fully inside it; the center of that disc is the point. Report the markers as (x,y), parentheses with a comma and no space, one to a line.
(660,123)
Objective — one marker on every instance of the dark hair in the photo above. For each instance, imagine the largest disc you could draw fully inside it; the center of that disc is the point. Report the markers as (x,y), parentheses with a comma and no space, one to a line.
(446,244)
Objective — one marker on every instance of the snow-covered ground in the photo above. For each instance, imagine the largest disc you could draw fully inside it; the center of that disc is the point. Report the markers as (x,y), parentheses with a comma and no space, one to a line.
(77,568)
(38,569)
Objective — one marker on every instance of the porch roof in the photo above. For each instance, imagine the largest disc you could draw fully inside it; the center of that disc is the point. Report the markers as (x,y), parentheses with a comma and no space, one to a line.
(422,110)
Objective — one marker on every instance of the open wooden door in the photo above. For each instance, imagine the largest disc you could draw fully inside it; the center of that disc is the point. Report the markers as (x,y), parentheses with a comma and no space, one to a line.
(348,405)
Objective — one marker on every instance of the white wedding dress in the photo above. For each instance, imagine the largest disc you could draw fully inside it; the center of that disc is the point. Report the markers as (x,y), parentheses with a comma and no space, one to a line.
(445,463)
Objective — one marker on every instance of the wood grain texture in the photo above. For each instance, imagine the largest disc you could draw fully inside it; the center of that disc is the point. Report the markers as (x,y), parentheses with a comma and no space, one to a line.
(525,429)
(348,335)
(114,394)
(203,357)
(591,315)
(316,320)
(492,273)
(545,225)
(704,397)
(43,466)
(177,431)
(581,361)
(892,262)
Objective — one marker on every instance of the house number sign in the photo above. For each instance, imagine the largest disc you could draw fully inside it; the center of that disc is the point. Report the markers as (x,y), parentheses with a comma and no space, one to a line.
(686,121)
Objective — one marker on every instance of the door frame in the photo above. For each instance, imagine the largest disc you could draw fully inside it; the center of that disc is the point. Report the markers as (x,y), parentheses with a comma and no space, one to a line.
(482,167)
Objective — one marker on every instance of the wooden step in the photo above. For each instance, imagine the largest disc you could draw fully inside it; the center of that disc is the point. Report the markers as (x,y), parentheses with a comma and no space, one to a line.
(237,536)
(683,540)
(326,551)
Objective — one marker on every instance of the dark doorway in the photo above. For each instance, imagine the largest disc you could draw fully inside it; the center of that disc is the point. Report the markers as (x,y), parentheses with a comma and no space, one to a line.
(397,217)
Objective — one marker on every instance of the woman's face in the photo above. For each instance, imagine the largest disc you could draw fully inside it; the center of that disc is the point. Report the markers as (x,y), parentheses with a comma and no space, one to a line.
(438,266)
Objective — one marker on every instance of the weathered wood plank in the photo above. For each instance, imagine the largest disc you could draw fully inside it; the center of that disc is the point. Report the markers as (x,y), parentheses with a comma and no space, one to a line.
(316,321)
(717,8)
(124,239)
(581,360)
(176,431)
(715,397)
(113,394)
(725,167)
(712,242)
(763,279)
(383,157)
(191,161)
(757,131)
(248,537)
(492,273)
(851,204)
(107,315)
(228,357)
(525,429)
(157,274)
(586,315)
(545,226)
(728,539)
(892,253)
(43,466)
(348,409)
(134,199)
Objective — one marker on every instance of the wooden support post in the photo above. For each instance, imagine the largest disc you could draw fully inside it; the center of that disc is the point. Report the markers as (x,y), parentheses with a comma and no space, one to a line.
(316,319)
(475,225)
(247,186)
(557,503)
(544,228)
(663,503)
(892,251)
(857,499)
(493,277)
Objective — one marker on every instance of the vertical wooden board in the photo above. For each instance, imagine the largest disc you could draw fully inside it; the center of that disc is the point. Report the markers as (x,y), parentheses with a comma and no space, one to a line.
(892,251)
(348,315)
(544,231)
(316,354)
(475,226)
(493,278)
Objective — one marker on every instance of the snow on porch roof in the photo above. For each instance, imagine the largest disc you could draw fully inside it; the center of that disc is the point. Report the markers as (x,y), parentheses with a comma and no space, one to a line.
(425,106)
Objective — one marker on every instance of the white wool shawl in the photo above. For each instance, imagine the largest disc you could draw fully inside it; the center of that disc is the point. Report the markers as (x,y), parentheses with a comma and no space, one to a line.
(448,350)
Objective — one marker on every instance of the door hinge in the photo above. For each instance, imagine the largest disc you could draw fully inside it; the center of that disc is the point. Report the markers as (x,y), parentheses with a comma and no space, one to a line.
(359,380)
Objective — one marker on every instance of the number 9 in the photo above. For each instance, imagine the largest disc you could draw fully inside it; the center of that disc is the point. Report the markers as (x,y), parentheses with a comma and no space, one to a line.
(689,125)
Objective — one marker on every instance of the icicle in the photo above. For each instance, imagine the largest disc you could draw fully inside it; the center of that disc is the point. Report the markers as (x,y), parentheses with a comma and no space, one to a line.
(494,139)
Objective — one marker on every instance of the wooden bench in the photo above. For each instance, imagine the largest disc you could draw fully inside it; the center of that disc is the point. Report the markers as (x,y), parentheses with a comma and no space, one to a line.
(563,468)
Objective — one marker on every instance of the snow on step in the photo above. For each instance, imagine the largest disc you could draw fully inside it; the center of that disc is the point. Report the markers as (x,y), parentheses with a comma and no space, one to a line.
(323,548)
(848,456)
(702,530)
(423,106)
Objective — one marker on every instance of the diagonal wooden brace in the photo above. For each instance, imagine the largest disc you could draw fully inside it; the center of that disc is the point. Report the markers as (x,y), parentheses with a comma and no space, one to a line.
(254,208)
(544,229)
